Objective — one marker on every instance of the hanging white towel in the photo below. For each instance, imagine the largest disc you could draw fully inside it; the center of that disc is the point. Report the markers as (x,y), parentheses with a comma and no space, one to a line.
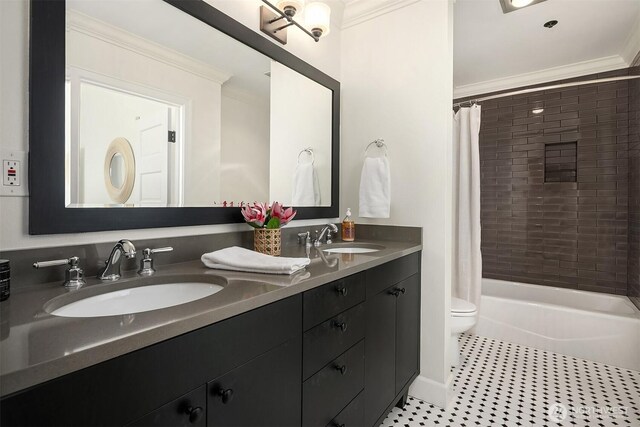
(241,259)
(306,187)
(375,188)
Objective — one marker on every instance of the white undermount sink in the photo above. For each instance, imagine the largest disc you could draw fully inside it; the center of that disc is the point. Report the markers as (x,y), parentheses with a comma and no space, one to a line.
(352,248)
(138,299)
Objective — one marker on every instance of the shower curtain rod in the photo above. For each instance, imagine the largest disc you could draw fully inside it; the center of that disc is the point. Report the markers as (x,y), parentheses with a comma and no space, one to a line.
(537,89)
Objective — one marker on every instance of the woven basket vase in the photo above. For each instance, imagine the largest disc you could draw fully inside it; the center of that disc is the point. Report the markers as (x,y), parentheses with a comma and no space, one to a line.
(267,240)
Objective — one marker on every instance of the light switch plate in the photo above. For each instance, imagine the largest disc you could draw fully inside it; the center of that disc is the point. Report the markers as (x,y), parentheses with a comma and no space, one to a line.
(14,173)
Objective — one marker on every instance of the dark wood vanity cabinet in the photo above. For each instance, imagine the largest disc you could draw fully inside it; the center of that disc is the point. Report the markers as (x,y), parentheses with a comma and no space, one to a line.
(263,392)
(138,388)
(341,354)
(392,335)
(189,410)
(333,349)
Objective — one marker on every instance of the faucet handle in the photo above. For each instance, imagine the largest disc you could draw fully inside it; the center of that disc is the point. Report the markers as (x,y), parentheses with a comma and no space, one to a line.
(56,262)
(74,276)
(147,252)
(302,237)
(329,241)
(146,263)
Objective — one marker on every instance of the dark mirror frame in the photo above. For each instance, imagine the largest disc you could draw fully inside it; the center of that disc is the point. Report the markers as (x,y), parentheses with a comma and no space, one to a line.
(47,212)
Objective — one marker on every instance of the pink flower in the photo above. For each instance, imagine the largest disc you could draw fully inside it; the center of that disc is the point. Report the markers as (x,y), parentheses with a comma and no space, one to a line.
(255,214)
(284,215)
(261,215)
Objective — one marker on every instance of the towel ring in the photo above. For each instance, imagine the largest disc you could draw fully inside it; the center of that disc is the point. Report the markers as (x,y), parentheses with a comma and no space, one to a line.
(379,143)
(308,151)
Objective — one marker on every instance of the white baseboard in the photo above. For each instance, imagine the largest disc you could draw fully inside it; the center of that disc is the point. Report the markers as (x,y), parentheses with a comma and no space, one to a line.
(433,392)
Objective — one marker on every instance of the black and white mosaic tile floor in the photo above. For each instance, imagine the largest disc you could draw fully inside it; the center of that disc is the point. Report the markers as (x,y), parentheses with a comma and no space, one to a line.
(505,384)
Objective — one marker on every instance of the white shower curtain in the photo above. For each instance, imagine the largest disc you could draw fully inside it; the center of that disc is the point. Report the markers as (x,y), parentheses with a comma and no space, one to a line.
(467,262)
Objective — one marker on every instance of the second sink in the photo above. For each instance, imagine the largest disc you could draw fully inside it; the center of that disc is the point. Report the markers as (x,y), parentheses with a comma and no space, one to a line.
(352,248)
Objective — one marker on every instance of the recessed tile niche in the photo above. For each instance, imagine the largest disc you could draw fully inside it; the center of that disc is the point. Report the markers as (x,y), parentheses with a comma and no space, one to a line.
(560,162)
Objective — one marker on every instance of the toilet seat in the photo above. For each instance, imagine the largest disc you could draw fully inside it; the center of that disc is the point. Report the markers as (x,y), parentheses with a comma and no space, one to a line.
(462,308)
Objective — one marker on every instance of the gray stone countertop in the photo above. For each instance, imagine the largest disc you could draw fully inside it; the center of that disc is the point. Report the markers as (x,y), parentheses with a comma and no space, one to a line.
(36,346)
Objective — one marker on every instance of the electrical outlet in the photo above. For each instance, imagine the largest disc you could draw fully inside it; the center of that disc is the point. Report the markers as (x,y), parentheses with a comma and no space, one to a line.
(11,172)
(14,174)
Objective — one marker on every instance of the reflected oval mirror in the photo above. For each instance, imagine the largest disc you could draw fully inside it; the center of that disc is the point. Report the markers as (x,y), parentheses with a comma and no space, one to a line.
(117,171)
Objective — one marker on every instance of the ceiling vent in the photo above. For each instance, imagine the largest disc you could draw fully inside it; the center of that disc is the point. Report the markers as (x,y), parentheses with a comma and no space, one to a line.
(511,5)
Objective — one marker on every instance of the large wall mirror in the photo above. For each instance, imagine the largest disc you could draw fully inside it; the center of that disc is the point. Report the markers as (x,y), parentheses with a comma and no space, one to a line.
(150,113)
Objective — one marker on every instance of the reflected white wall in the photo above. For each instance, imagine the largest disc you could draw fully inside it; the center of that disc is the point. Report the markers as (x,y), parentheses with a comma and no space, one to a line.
(292,131)
(244,175)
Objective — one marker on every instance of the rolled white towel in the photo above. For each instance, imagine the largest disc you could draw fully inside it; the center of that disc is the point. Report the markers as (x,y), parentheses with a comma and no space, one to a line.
(240,259)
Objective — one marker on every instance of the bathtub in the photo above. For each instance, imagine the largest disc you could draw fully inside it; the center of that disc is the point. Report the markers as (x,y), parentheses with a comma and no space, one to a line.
(600,327)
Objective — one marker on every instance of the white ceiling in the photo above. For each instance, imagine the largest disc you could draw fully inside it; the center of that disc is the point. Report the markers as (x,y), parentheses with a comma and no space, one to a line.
(490,45)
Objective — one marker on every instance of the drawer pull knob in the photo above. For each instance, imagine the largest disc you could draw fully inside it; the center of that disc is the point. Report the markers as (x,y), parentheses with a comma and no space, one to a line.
(340,325)
(225,395)
(194,414)
(342,290)
(342,369)
(397,291)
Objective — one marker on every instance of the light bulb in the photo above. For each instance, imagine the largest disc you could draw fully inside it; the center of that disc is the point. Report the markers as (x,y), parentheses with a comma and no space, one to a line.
(521,3)
(318,18)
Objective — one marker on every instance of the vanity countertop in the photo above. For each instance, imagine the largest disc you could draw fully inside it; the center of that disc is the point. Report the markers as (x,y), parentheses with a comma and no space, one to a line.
(36,347)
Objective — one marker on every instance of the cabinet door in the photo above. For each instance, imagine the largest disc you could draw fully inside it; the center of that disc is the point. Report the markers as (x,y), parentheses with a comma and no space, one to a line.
(265,391)
(380,354)
(407,330)
(186,411)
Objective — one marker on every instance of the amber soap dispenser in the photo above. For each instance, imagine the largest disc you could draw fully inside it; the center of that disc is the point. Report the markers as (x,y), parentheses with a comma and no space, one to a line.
(348,228)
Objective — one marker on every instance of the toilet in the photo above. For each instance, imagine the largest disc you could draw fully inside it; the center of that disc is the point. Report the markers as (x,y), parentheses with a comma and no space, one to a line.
(464,316)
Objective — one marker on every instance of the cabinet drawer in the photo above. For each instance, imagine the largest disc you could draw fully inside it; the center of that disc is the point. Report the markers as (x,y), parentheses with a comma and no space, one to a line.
(331,338)
(263,392)
(326,393)
(326,301)
(352,415)
(381,277)
(186,411)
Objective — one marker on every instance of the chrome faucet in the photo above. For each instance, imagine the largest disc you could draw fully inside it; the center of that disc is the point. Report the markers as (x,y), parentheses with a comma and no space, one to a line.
(111,270)
(327,229)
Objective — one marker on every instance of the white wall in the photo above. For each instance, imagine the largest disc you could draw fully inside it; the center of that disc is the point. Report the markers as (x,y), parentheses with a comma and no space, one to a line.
(397,79)
(244,174)
(14,52)
(298,122)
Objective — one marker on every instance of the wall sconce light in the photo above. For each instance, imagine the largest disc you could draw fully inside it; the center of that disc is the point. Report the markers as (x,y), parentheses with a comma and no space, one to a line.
(275,19)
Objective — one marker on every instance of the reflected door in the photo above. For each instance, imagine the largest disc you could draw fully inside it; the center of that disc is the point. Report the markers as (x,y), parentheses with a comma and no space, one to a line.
(152,162)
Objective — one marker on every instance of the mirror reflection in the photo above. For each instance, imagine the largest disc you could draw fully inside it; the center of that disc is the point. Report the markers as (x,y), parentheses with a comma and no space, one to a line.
(116,171)
(211,122)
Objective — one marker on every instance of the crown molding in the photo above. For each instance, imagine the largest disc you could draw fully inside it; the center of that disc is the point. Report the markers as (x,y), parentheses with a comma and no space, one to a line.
(632,46)
(577,69)
(95,28)
(359,11)
(243,96)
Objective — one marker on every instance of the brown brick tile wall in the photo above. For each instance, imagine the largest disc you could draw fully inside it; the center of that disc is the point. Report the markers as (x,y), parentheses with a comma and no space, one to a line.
(633,265)
(566,234)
